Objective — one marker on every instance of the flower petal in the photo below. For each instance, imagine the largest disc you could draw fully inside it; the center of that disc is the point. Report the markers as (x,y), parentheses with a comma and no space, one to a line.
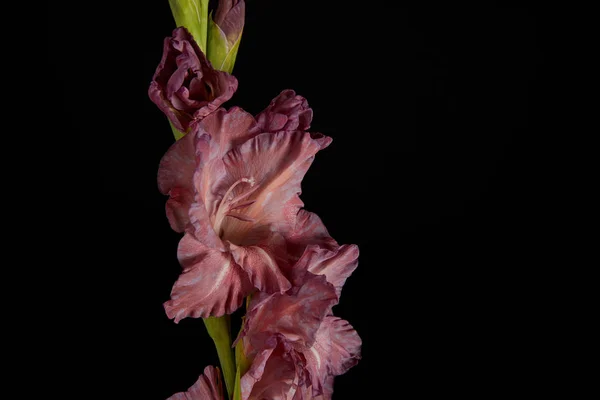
(276,373)
(227,129)
(175,174)
(207,387)
(210,285)
(335,350)
(308,230)
(276,163)
(336,265)
(261,267)
(185,86)
(296,315)
(255,372)
(286,112)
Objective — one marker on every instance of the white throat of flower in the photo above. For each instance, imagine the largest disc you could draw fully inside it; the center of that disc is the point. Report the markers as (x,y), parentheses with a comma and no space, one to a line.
(229,203)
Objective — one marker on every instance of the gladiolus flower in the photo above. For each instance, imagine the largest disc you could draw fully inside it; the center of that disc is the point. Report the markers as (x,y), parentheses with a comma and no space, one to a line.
(239,210)
(185,86)
(295,347)
(207,387)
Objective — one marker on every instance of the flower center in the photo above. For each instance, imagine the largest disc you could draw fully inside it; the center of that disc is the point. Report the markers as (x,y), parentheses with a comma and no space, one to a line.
(230,203)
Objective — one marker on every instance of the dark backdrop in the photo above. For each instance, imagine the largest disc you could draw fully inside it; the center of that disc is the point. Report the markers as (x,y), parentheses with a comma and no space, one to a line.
(428,173)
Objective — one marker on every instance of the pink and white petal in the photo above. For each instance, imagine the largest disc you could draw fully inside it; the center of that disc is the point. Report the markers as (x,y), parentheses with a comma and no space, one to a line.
(296,315)
(336,265)
(207,387)
(203,229)
(211,284)
(337,345)
(175,178)
(277,163)
(261,267)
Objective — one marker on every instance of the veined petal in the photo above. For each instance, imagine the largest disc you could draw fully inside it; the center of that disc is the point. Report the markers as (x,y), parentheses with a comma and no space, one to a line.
(308,230)
(276,163)
(337,265)
(207,387)
(296,315)
(227,129)
(261,267)
(255,372)
(335,350)
(277,373)
(216,135)
(210,285)
(175,174)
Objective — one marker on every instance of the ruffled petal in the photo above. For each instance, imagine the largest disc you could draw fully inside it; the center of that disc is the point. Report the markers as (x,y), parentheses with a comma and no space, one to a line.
(255,372)
(336,265)
(227,129)
(286,112)
(335,350)
(175,175)
(185,86)
(207,387)
(308,229)
(210,285)
(296,315)
(276,164)
(262,268)
(276,373)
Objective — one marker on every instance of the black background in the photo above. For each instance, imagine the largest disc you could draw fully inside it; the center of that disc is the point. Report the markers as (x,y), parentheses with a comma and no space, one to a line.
(429,110)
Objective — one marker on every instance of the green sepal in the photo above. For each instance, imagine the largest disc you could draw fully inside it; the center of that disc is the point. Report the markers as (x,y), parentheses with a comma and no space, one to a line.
(193,15)
(220,52)
(176,132)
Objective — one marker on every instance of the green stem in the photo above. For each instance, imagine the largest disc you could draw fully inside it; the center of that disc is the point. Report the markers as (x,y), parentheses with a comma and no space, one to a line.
(219,330)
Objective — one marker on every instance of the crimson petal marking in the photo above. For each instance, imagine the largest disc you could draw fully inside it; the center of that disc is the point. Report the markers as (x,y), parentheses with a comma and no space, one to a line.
(210,285)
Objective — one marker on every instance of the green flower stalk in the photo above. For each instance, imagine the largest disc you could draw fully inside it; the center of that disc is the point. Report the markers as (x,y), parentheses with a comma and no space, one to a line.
(219,330)
(225,34)
(193,15)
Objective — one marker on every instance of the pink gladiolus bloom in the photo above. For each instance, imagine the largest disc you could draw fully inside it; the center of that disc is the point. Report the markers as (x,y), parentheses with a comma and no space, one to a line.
(295,347)
(185,86)
(240,210)
(207,387)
